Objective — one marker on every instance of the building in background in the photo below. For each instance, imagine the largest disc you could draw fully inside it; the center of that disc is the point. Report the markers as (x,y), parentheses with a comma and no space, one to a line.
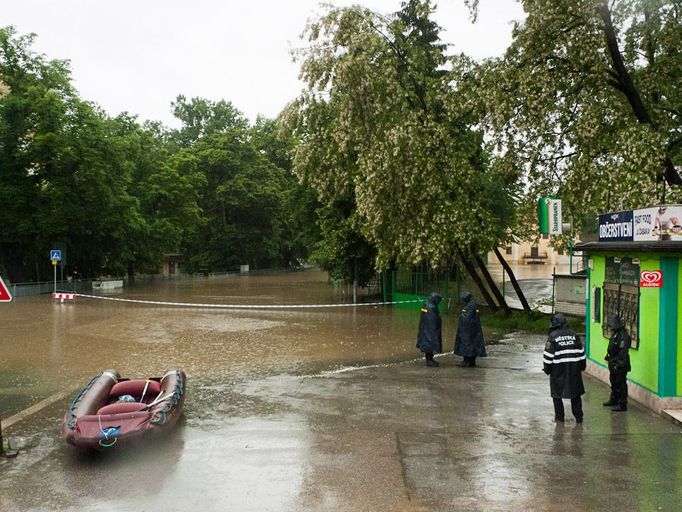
(531,253)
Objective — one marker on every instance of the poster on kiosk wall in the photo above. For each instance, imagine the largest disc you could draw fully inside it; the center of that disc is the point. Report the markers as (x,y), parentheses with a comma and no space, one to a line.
(658,223)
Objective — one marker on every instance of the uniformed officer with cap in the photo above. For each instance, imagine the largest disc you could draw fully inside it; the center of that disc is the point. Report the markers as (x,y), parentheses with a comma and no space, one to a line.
(618,357)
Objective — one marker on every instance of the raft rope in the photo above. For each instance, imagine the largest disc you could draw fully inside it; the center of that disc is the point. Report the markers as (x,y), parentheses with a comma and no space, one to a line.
(106,443)
(247,306)
(144,391)
(161,417)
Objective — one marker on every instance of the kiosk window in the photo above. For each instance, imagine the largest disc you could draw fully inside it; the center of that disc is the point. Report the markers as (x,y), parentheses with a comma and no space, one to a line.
(611,303)
(622,298)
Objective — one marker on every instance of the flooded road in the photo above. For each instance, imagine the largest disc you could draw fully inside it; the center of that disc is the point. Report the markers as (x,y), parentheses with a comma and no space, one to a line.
(46,345)
(312,409)
(50,347)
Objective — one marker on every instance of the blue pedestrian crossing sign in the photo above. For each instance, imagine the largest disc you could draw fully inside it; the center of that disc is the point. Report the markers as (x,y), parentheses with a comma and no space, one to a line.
(55,255)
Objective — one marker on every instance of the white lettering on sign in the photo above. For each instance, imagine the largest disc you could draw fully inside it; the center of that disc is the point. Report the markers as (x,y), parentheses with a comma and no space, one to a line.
(644,220)
(555,217)
(615,230)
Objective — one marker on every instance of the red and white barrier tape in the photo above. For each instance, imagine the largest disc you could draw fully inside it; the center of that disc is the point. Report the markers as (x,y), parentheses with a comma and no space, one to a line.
(246,306)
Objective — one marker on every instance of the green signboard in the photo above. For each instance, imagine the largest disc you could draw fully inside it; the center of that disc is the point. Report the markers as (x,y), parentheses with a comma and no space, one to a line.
(549,216)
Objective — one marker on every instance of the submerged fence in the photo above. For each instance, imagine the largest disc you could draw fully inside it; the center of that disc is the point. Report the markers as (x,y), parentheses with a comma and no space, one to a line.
(401,285)
(86,285)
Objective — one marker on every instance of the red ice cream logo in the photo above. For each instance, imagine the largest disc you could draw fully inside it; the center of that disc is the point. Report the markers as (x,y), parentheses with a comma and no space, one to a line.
(651,279)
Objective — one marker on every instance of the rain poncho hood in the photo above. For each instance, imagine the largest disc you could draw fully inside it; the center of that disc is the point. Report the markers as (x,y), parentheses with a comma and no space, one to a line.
(434,298)
(469,338)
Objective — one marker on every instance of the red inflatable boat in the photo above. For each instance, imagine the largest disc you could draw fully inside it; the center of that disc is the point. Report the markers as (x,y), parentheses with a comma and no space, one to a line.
(112,411)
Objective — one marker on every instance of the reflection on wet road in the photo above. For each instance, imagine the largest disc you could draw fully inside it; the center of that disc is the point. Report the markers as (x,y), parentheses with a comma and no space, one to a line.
(313,410)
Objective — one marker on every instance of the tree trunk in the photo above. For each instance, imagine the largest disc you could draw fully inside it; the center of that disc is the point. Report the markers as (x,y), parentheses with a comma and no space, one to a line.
(623,82)
(493,287)
(513,280)
(472,272)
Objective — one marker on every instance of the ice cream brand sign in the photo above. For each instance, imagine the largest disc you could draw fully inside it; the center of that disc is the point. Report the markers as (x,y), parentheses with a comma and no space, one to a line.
(651,279)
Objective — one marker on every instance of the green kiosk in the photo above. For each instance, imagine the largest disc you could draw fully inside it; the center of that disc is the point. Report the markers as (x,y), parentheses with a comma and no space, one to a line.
(635,271)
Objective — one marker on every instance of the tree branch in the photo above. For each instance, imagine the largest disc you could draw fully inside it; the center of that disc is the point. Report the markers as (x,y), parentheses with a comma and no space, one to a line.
(628,87)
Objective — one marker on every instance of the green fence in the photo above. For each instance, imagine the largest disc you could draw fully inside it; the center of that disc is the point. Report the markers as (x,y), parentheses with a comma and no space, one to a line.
(401,285)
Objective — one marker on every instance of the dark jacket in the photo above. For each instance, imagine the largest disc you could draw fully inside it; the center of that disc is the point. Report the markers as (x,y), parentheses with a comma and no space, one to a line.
(617,353)
(469,338)
(564,360)
(429,337)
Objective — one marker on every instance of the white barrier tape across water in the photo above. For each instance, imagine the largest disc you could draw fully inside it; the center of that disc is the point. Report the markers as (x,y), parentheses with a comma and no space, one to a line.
(247,306)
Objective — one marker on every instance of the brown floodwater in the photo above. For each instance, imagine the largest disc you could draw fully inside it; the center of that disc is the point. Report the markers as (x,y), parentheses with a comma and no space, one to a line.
(48,346)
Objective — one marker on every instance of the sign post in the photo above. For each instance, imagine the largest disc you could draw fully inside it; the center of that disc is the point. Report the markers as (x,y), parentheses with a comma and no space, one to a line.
(55,256)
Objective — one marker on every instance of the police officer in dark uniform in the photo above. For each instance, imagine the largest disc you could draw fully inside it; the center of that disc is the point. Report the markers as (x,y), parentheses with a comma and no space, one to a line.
(618,357)
(564,362)
(430,337)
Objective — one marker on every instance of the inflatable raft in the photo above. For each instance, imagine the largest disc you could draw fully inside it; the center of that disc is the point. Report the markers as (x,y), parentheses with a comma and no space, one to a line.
(113,411)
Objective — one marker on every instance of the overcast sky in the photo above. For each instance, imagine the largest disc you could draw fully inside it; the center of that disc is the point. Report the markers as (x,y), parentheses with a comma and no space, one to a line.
(138,55)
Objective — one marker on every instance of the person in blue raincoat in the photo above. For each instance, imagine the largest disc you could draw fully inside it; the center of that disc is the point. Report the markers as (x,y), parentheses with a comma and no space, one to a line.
(430,337)
(469,342)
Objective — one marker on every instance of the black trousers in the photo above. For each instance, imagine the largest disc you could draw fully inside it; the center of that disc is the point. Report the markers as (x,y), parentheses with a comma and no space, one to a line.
(619,387)
(470,361)
(428,356)
(576,408)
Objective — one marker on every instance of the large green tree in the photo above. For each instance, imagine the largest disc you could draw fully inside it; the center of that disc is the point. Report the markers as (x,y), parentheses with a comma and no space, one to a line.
(300,229)
(101,187)
(587,102)
(165,185)
(381,122)
(242,191)
(63,178)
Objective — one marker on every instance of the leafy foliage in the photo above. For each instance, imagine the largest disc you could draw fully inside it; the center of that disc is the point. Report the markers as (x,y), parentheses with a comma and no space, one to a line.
(586,102)
(119,196)
(380,122)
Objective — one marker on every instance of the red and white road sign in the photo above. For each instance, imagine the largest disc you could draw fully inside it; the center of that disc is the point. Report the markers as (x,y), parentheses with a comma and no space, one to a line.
(651,279)
(5,296)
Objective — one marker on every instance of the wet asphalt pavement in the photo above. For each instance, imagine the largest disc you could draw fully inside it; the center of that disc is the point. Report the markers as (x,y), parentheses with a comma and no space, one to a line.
(328,411)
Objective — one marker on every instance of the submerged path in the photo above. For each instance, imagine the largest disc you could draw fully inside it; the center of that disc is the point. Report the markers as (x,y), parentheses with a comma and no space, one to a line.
(394,437)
